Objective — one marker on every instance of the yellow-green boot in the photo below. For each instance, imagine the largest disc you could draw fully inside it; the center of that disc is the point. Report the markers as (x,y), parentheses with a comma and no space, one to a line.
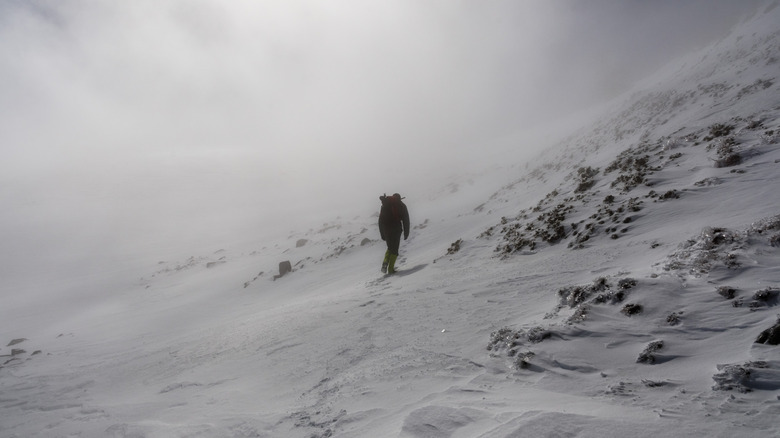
(386,261)
(391,263)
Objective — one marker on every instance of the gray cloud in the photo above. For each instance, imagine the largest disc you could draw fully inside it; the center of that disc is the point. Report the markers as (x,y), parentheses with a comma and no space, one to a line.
(146,113)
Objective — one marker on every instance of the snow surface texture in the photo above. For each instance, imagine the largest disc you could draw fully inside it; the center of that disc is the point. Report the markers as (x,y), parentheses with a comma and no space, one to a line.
(614,287)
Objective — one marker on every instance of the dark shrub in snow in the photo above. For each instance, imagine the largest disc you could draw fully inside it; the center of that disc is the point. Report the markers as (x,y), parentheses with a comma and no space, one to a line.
(771,335)
(719,130)
(631,309)
(626,283)
(632,170)
(746,377)
(765,298)
(727,156)
(537,334)
(523,360)
(573,296)
(732,377)
(647,355)
(454,247)
(727,292)
(585,178)
(503,338)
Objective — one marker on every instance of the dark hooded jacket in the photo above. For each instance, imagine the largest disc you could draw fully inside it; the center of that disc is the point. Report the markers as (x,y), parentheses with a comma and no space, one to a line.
(393,217)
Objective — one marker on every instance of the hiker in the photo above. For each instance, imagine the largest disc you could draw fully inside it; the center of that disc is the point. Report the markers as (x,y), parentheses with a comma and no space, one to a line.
(393,221)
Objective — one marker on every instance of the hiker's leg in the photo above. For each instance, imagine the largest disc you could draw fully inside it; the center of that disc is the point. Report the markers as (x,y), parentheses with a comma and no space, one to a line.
(393,244)
(394,241)
(391,265)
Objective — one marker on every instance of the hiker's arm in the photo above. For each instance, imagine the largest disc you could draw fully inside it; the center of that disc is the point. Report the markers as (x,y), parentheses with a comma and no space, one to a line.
(406,222)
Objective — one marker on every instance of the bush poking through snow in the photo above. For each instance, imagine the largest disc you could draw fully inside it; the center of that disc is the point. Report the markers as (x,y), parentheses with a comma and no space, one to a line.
(738,377)
(631,309)
(537,335)
(732,377)
(765,298)
(727,156)
(585,179)
(523,360)
(632,170)
(727,292)
(770,336)
(503,338)
(509,339)
(699,255)
(719,130)
(580,314)
(647,355)
(454,247)
(626,283)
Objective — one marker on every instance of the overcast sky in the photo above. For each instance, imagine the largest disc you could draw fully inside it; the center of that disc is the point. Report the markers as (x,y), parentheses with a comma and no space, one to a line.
(157,101)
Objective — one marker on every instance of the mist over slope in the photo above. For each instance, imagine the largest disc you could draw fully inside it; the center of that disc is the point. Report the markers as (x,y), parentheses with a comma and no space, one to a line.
(615,285)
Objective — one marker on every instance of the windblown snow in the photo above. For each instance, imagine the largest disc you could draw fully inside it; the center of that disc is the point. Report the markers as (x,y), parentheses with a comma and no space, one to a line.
(616,285)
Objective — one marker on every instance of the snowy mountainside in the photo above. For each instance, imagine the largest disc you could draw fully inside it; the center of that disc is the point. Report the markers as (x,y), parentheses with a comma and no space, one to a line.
(615,286)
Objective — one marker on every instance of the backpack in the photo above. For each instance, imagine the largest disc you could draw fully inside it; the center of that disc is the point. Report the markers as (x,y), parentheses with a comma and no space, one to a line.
(394,208)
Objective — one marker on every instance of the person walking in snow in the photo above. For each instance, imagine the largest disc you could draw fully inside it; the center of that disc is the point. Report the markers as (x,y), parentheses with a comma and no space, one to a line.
(393,221)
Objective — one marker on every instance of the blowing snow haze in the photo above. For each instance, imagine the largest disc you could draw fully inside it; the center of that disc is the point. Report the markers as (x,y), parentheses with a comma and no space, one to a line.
(127,125)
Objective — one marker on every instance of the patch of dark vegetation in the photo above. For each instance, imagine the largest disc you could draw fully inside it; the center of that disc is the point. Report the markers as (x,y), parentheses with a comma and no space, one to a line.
(719,130)
(523,360)
(607,211)
(742,378)
(770,136)
(732,377)
(770,336)
(765,226)
(575,295)
(701,254)
(632,170)
(758,85)
(706,182)
(537,334)
(510,340)
(507,342)
(626,283)
(670,194)
(647,355)
(601,291)
(585,178)
(726,153)
(727,292)
(673,318)
(454,247)
(610,297)
(716,90)
(547,227)
(580,314)
(764,298)
(503,338)
(631,309)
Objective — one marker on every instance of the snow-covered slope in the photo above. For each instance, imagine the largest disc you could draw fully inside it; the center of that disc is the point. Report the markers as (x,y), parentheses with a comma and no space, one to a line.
(613,286)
